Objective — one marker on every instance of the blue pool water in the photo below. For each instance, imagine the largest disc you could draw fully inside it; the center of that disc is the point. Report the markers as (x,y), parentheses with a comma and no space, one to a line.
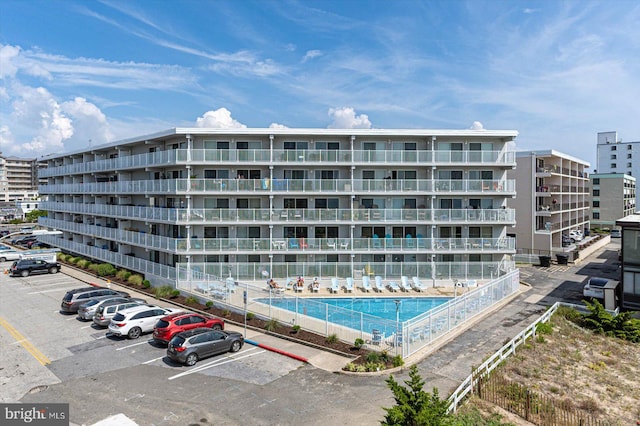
(346,311)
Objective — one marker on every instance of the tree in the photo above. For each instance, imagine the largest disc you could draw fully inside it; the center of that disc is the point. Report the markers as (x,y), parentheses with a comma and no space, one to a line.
(33,215)
(414,406)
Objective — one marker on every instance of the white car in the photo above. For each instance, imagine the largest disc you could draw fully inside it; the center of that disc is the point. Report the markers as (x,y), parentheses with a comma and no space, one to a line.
(134,321)
(9,255)
(595,288)
(575,236)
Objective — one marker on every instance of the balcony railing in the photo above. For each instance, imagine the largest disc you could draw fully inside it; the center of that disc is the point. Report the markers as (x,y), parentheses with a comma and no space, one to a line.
(279,244)
(264,156)
(267,185)
(205,216)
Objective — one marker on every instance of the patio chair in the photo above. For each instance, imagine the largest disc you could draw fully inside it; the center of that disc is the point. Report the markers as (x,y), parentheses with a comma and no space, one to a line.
(393,286)
(388,241)
(331,243)
(376,242)
(335,285)
(417,284)
(350,284)
(379,284)
(409,241)
(404,284)
(344,244)
(293,243)
(366,284)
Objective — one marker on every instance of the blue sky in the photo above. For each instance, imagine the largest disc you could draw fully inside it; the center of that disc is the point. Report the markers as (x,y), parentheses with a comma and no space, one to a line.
(75,73)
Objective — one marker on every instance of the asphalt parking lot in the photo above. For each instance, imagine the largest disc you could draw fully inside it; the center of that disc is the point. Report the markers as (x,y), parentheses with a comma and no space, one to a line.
(65,360)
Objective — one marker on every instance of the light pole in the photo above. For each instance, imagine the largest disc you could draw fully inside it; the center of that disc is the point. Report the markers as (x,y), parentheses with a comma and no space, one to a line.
(397,302)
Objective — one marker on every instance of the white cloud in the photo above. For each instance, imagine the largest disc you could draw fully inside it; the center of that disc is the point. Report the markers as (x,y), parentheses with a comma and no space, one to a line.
(89,124)
(477,126)
(277,126)
(345,118)
(219,119)
(8,54)
(311,54)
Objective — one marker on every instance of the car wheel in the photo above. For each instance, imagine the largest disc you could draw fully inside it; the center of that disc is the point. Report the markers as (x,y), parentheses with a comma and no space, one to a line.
(3,259)
(134,333)
(53,270)
(216,327)
(235,346)
(24,273)
(192,358)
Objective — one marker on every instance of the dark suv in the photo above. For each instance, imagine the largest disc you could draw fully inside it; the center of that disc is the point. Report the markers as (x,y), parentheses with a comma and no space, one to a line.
(26,267)
(72,299)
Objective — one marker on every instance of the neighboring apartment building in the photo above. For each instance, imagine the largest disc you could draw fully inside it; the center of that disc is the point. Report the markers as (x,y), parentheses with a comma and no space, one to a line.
(18,179)
(251,203)
(616,156)
(613,196)
(553,198)
(630,294)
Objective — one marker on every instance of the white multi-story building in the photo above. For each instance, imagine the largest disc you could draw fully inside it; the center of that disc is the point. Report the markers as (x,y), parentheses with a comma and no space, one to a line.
(616,156)
(18,179)
(613,196)
(251,203)
(553,198)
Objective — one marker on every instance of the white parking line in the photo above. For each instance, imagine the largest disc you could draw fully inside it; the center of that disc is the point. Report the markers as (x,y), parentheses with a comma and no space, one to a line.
(135,344)
(152,360)
(51,290)
(214,364)
(72,318)
(86,326)
(102,337)
(31,287)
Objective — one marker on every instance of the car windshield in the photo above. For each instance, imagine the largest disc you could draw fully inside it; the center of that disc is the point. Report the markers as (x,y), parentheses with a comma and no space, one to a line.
(67,297)
(91,303)
(162,324)
(118,317)
(176,341)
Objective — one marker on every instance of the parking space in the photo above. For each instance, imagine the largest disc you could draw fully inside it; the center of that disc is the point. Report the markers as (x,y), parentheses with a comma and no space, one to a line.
(49,346)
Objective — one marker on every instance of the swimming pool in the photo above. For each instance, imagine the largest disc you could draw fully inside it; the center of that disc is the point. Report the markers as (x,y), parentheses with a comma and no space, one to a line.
(364,312)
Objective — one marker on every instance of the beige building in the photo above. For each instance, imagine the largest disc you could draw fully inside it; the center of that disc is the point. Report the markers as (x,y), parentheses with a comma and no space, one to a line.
(18,179)
(552,198)
(613,196)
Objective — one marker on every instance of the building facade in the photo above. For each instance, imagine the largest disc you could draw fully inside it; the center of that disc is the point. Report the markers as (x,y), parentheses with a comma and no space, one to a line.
(255,203)
(18,179)
(616,156)
(613,196)
(553,198)
(630,294)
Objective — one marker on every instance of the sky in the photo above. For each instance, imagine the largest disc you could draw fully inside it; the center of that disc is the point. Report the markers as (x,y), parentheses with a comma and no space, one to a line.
(75,74)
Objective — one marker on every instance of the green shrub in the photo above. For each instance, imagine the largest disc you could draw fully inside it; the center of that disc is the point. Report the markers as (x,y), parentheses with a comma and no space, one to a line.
(163,292)
(397,361)
(135,279)
(209,304)
(94,268)
(332,338)
(191,300)
(358,343)
(175,293)
(146,283)
(250,316)
(350,367)
(372,357)
(544,328)
(226,313)
(384,356)
(272,325)
(123,274)
(373,366)
(105,270)
(84,263)
(295,328)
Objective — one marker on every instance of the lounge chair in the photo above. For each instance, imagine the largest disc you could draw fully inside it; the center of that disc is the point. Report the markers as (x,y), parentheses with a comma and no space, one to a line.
(366,284)
(288,285)
(404,284)
(335,285)
(350,284)
(417,284)
(393,286)
(379,284)
(315,288)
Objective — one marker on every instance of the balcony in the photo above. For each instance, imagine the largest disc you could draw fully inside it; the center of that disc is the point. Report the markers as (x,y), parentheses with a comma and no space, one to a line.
(266,157)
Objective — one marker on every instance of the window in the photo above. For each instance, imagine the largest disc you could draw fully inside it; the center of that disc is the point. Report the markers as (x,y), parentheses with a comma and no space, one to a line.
(596,204)
(596,215)
(613,165)
(296,203)
(629,147)
(613,156)
(629,156)
(327,203)
(368,174)
(596,181)
(613,148)
(333,146)
(629,165)
(596,192)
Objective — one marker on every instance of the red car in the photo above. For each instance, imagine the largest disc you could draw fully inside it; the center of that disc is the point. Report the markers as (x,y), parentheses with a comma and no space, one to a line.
(170,325)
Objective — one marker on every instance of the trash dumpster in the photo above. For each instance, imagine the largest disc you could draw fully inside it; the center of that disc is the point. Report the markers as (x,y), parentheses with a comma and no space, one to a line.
(563,259)
(545,261)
